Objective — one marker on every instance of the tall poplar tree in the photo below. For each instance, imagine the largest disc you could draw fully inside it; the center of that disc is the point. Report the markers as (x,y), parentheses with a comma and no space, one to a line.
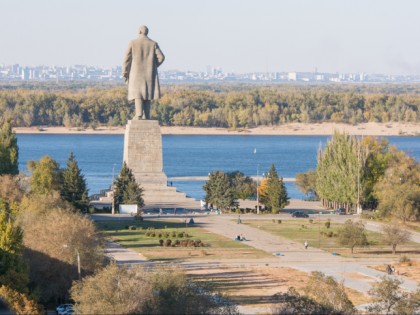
(340,171)
(74,187)
(9,151)
(126,189)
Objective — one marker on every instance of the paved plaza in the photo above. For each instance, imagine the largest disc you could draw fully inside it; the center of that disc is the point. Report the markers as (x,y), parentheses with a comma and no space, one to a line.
(285,252)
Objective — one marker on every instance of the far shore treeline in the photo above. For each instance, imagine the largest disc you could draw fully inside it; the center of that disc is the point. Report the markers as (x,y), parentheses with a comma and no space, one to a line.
(78,104)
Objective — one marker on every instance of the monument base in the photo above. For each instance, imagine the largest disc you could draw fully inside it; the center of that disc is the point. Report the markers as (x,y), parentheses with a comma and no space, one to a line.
(143,155)
(143,152)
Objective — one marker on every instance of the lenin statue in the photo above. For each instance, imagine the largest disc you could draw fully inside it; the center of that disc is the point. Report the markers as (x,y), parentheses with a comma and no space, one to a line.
(141,61)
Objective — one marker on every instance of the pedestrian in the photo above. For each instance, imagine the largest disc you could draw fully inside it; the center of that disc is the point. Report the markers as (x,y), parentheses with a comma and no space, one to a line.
(306,244)
(388,269)
(392,269)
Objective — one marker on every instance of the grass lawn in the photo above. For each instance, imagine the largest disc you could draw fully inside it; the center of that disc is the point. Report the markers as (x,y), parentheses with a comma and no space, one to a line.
(315,233)
(216,246)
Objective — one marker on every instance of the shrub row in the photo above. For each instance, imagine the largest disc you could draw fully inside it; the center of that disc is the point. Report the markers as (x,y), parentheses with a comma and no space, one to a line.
(329,234)
(166,234)
(181,243)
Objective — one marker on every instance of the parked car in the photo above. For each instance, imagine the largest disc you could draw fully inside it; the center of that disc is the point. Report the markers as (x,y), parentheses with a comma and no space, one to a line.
(68,311)
(340,211)
(63,307)
(299,214)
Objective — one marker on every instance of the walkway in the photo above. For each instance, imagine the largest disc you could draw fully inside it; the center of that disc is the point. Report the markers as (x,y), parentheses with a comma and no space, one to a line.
(294,255)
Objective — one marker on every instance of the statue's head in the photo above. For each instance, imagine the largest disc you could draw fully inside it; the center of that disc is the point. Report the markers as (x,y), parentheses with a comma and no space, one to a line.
(143,30)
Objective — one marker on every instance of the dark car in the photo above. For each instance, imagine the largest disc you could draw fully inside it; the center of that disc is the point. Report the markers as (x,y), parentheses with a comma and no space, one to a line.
(340,211)
(299,214)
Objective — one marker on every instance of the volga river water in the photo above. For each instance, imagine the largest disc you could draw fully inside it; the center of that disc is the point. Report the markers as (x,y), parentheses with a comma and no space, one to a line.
(100,156)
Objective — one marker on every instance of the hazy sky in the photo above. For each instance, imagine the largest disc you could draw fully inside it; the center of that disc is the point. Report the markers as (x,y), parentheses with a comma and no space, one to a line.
(238,35)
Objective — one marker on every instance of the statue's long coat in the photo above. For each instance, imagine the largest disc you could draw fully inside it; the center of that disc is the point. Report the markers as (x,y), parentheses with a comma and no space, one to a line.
(141,61)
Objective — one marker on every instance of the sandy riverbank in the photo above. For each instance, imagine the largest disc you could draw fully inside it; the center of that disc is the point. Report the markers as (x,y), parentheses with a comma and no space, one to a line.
(374,129)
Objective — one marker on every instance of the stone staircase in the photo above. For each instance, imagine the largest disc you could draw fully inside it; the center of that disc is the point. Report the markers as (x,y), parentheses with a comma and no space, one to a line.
(158,196)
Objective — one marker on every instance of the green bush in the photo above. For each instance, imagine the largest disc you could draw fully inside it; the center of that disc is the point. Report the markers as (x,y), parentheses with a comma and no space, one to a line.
(132,227)
(161,242)
(181,234)
(328,224)
(168,242)
(153,234)
(278,221)
(311,221)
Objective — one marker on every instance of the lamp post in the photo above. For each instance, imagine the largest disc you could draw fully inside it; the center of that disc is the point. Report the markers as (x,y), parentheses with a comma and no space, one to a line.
(258,195)
(79,272)
(112,188)
(78,265)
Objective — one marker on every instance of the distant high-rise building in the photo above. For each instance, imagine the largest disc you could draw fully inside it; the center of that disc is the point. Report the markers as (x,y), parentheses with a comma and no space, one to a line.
(25,73)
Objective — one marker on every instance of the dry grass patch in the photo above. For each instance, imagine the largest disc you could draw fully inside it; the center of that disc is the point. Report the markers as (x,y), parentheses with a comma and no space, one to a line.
(409,269)
(254,287)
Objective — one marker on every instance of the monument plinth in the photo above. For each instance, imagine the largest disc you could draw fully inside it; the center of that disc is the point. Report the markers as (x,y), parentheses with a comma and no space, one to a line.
(143,155)
(143,152)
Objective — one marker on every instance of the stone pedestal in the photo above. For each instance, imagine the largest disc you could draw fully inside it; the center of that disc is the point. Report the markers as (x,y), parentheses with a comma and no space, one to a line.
(143,155)
(143,152)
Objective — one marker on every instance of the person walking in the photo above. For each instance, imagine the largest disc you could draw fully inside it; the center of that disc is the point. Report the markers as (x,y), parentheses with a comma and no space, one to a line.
(306,244)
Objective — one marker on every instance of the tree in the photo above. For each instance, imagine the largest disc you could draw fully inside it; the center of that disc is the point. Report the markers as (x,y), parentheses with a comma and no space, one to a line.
(53,239)
(376,164)
(74,188)
(9,151)
(340,172)
(10,189)
(292,302)
(243,186)
(398,191)
(389,298)
(275,195)
(112,290)
(306,182)
(13,270)
(126,189)
(219,191)
(46,175)
(352,234)
(120,290)
(19,303)
(326,291)
(394,235)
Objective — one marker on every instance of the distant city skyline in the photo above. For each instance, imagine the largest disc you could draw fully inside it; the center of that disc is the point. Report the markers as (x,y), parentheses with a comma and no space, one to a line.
(239,36)
(17,72)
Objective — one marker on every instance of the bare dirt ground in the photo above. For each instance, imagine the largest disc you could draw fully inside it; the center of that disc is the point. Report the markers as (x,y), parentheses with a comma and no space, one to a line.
(409,269)
(255,287)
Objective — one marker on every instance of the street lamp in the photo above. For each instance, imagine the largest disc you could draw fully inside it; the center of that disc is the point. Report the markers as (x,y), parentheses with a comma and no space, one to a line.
(258,195)
(112,188)
(79,272)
